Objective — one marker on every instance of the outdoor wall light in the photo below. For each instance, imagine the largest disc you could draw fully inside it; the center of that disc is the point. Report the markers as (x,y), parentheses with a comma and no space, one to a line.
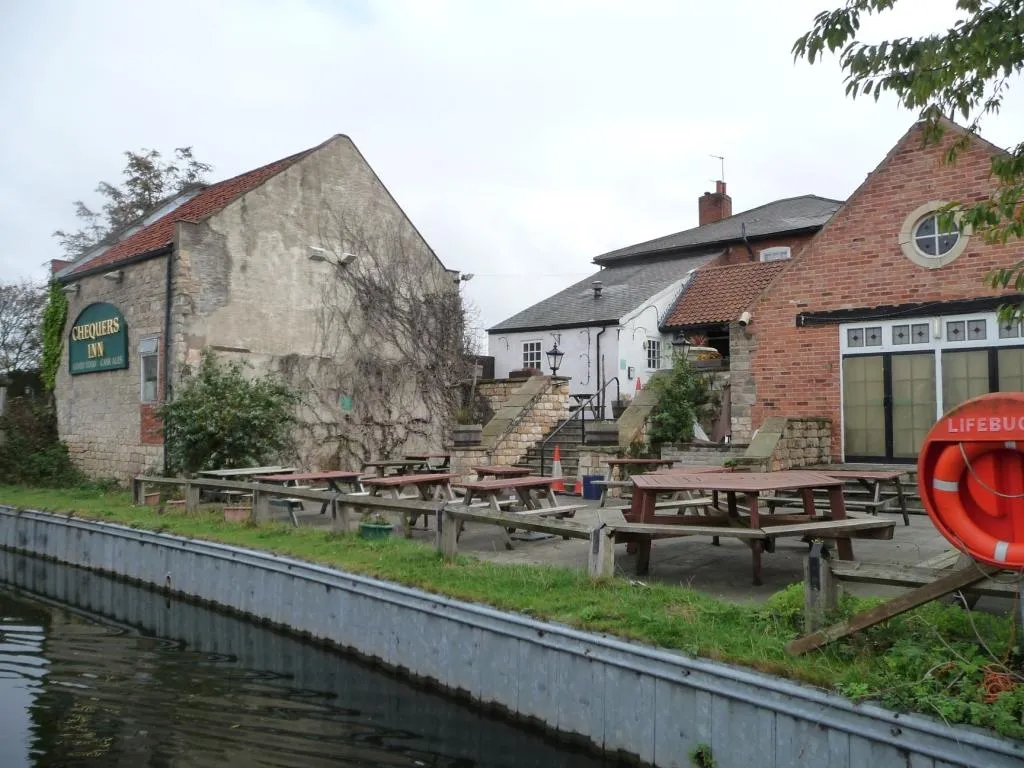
(115,277)
(630,372)
(683,345)
(555,356)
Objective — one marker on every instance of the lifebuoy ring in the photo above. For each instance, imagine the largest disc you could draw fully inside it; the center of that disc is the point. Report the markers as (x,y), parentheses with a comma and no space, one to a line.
(950,475)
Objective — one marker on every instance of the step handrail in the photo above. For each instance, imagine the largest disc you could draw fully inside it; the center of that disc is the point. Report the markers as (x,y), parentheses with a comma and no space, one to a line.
(580,413)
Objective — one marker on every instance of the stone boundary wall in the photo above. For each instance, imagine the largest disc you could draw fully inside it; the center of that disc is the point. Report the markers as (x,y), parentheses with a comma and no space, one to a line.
(498,391)
(654,705)
(783,443)
(538,405)
(703,454)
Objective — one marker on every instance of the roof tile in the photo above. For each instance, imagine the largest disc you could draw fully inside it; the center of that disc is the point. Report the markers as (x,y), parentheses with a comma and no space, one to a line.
(209,201)
(721,294)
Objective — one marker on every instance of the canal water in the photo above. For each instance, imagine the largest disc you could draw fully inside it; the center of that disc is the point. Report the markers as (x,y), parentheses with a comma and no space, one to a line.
(97,672)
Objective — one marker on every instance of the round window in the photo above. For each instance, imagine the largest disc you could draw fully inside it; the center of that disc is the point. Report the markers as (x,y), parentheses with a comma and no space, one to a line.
(934,239)
(927,240)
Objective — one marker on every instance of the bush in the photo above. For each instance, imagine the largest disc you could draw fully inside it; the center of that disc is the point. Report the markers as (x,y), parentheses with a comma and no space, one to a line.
(683,395)
(31,452)
(221,419)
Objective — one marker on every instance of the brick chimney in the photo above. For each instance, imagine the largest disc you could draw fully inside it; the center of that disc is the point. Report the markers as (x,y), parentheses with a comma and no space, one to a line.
(56,265)
(714,206)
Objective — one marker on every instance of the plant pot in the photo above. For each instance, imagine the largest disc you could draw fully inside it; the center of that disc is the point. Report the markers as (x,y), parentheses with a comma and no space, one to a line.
(237,514)
(151,499)
(618,409)
(375,530)
(467,434)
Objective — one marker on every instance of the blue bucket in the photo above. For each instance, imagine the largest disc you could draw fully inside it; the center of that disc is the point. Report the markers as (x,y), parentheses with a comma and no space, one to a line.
(591,491)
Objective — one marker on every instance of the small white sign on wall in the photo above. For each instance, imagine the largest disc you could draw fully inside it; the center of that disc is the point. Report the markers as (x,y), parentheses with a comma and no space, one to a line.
(622,364)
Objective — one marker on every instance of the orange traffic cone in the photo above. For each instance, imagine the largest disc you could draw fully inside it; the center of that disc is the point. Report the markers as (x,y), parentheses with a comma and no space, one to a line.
(577,490)
(638,385)
(556,472)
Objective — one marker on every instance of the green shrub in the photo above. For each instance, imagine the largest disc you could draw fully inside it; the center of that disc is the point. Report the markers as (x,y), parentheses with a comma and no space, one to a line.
(220,418)
(31,452)
(683,395)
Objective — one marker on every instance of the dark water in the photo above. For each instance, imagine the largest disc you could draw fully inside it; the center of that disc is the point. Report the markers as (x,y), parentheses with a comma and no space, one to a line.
(95,672)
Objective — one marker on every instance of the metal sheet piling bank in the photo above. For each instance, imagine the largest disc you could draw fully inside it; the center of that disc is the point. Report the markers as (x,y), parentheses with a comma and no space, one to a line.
(621,697)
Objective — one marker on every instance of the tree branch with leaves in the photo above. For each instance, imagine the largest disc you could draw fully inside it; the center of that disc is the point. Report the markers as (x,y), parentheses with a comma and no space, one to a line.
(21,311)
(962,73)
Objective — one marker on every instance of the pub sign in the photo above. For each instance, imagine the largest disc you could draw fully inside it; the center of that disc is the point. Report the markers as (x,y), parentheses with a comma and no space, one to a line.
(98,340)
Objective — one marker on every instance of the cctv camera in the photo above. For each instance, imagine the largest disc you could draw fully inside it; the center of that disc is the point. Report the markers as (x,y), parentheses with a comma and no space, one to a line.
(744,320)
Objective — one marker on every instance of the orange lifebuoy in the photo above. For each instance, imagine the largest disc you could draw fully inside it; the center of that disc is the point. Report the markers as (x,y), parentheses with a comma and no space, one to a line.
(971,478)
(951,470)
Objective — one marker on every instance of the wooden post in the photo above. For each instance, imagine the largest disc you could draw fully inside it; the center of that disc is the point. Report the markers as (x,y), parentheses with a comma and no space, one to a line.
(601,561)
(447,534)
(820,594)
(138,492)
(260,505)
(192,497)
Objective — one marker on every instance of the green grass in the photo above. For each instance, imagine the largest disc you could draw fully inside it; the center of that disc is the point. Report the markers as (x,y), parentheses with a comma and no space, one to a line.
(929,660)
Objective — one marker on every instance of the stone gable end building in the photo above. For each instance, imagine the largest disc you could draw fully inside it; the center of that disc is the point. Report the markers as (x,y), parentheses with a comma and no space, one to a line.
(241,267)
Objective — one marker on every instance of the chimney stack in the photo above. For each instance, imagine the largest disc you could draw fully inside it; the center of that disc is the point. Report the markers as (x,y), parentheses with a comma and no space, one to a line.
(714,206)
(597,289)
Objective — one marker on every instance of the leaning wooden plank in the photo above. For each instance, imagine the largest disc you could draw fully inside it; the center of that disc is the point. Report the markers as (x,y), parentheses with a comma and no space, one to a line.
(964,577)
(689,530)
(513,520)
(912,576)
(830,528)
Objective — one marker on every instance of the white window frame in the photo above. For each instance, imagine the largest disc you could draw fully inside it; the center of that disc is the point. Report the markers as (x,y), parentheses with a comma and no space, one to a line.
(528,350)
(149,346)
(652,344)
(937,344)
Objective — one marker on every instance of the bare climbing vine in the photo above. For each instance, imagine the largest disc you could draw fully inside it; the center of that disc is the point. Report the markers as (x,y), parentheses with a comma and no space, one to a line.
(390,347)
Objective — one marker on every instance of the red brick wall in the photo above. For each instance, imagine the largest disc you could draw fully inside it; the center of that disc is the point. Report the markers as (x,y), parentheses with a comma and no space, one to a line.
(856,261)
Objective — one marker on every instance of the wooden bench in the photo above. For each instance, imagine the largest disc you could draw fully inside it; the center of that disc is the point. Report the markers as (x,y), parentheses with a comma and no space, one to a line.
(680,504)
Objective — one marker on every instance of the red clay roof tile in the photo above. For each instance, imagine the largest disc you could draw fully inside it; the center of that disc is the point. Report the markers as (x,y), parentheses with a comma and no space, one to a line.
(721,294)
(210,200)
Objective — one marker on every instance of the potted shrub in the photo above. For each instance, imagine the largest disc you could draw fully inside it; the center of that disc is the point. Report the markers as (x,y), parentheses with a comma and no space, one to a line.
(524,373)
(467,430)
(237,513)
(619,406)
(374,525)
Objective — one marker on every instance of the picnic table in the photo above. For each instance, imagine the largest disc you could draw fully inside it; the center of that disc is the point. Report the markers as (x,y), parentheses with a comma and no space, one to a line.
(757,532)
(609,476)
(871,480)
(387,467)
(429,487)
(334,480)
(501,471)
(432,461)
(533,492)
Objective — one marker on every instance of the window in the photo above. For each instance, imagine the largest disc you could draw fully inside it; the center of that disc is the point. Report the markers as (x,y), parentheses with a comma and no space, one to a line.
(150,367)
(653,354)
(927,240)
(531,354)
(932,238)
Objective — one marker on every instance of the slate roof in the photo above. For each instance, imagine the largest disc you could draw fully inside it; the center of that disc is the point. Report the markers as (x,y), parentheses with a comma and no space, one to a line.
(624,288)
(207,202)
(781,216)
(721,294)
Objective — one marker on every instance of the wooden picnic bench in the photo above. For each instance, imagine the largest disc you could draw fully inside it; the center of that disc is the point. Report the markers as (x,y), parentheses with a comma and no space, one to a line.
(334,479)
(871,481)
(433,462)
(385,467)
(758,532)
(429,487)
(500,471)
(533,492)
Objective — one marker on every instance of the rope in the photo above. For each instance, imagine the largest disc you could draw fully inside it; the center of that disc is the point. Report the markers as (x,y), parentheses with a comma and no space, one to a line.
(981,482)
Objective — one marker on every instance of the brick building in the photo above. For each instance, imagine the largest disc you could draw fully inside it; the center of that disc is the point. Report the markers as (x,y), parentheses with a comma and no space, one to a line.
(240,268)
(882,321)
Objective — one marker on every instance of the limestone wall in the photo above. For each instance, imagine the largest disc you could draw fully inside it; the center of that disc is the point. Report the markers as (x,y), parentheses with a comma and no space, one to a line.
(498,391)
(534,409)
(783,443)
(703,454)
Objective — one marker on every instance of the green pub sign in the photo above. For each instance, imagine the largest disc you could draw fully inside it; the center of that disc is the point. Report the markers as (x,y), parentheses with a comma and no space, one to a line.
(98,340)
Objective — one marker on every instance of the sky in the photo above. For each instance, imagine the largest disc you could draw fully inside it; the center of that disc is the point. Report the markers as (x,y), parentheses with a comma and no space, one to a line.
(523,138)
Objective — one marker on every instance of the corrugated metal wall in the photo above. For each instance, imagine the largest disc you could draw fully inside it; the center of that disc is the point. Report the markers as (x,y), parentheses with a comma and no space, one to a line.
(647,702)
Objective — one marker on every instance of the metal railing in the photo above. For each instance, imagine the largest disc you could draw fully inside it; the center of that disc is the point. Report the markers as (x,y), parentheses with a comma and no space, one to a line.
(581,414)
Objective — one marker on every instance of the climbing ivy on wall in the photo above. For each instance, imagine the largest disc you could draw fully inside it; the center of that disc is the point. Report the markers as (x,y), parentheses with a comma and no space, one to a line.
(54,317)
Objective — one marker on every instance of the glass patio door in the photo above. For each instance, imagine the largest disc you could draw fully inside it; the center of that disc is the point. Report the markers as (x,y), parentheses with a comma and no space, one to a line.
(888,405)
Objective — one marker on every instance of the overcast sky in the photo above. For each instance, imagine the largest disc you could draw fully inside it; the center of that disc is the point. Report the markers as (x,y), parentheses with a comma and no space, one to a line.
(522,138)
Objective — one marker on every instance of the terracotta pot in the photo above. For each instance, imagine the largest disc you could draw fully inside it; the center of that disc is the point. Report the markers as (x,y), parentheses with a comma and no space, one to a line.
(237,514)
(467,434)
(151,499)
